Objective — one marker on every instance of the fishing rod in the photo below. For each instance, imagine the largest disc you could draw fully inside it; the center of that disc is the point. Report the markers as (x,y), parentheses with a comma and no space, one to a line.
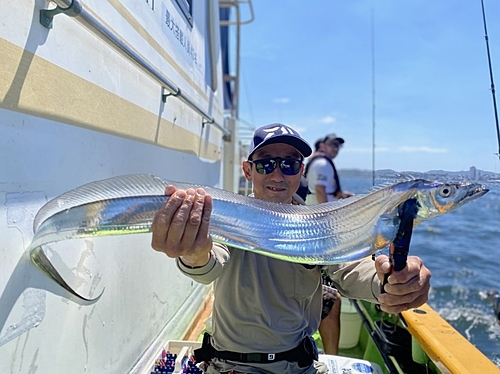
(373,95)
(491,78)
(398,255)
(379,343)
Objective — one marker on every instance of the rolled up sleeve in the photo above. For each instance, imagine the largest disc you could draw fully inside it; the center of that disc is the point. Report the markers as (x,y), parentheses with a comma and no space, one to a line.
(219,256)
(356,280)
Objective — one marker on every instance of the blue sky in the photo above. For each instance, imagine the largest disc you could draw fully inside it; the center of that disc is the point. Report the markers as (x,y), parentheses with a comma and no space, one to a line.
(311,68)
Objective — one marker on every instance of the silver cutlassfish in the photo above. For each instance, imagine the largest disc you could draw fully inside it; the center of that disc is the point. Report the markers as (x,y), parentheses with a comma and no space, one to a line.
(319,234)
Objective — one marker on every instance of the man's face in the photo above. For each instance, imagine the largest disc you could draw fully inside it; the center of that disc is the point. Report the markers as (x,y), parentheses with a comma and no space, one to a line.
(274,186)
(331,148)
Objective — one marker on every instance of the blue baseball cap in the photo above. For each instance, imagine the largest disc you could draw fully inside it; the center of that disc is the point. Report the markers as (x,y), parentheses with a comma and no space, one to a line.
(278,133)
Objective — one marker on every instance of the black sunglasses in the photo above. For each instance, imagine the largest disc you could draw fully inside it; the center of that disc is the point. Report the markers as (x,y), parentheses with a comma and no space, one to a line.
(288,166)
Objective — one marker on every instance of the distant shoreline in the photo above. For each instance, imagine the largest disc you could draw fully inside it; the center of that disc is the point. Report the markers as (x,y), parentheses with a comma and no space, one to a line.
(480,175)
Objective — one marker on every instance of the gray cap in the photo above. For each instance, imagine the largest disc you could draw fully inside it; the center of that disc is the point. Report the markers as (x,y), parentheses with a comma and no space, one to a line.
(333,137)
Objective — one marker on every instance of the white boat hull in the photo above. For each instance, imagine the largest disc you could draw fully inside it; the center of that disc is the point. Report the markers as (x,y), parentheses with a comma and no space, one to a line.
(74,110)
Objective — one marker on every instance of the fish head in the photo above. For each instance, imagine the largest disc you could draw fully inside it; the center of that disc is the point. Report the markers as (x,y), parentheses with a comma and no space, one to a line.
(438,198)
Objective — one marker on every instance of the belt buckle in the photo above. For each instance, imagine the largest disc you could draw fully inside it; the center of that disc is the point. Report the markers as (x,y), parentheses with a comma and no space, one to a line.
(253,357)
(271,357)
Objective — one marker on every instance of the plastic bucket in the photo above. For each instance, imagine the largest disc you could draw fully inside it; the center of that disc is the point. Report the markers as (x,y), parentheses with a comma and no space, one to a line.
(350,325)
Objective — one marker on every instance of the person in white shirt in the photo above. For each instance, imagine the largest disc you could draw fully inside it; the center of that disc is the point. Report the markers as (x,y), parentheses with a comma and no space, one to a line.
(321,174)
(323,185)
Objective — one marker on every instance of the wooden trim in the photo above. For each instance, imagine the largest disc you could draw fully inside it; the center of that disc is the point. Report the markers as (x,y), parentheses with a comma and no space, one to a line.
(198,326)
(70,99)
(447,348)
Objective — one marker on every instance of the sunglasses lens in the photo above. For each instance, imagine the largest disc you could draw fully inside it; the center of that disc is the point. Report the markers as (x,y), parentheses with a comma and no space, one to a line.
(290,167)
(267,165)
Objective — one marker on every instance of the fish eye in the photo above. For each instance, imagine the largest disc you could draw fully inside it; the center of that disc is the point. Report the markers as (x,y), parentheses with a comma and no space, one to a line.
(446,190)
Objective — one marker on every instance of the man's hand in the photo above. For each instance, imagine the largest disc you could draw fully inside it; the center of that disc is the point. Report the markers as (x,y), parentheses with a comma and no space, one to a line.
(405,289)
(180,227)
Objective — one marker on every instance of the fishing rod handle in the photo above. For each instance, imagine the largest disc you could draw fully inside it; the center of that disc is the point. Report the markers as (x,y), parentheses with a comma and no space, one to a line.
(398,257)
(400,247)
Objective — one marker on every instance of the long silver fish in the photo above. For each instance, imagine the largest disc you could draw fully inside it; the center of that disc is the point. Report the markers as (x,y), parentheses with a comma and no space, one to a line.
(319,234)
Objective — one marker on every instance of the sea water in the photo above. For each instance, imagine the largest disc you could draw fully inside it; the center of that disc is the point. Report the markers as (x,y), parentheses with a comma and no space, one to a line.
(462,250)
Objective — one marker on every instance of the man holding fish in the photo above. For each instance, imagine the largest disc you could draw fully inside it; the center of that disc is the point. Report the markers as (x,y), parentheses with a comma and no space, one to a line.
(266,309)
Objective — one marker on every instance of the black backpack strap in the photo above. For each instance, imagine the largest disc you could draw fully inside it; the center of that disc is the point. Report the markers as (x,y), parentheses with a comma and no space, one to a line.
(338,190)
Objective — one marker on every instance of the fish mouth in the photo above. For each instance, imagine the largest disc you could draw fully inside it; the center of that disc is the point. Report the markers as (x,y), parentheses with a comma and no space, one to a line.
(475,192)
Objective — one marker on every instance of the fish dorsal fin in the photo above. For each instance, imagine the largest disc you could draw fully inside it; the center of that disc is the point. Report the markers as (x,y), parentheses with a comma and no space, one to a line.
(133,185)
(405,177)
(328,207)
(279,209)
(379,187)
(116,187)
(146,185)
(382,185)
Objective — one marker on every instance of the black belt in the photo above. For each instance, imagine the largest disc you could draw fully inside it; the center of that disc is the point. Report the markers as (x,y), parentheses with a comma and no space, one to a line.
(303,354)
(263,358)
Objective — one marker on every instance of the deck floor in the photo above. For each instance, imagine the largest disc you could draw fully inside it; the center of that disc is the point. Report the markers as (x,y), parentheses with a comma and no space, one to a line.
(194,334)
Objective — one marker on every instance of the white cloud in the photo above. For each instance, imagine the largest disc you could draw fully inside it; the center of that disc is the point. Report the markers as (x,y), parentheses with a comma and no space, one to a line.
(362,149)
(281,100)
(299,128)
(401,149)
(328,120)
(421,149)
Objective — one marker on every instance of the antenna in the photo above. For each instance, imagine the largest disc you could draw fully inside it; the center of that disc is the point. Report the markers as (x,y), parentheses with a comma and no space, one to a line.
(373,96)
(491,78)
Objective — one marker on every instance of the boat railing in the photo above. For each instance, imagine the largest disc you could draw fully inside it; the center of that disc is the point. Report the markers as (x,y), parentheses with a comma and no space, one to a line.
(74,8)
(236,4)
(236,22)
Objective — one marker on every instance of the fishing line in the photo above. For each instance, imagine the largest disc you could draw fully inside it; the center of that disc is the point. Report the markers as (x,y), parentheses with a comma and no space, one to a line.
(491,78)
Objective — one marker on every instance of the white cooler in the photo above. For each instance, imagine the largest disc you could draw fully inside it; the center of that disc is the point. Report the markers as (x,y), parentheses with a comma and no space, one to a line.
(342,365)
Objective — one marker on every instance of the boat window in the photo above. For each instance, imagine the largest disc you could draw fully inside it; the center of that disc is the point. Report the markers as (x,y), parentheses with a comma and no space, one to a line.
(186,7)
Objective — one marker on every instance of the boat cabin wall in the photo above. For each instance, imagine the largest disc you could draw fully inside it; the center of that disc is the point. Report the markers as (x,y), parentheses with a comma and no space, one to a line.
(74,109)
(72,76)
